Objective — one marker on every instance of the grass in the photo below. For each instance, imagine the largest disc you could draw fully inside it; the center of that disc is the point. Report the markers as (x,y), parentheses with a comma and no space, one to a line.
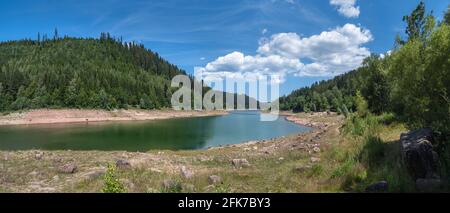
(369,152)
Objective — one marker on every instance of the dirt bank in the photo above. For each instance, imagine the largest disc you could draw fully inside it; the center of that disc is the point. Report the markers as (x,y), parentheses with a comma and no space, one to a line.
(52,116)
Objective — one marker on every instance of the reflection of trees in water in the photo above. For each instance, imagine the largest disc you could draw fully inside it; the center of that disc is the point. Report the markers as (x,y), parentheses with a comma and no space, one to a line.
(204,130)
(173,134)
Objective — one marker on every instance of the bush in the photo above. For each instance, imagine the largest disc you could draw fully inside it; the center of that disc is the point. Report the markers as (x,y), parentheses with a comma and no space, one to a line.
(112,184)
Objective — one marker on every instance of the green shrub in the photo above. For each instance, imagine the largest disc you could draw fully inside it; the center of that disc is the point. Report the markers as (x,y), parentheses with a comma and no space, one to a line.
(112,184)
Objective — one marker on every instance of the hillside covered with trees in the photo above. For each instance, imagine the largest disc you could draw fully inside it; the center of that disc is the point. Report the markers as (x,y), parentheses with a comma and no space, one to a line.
(82,73)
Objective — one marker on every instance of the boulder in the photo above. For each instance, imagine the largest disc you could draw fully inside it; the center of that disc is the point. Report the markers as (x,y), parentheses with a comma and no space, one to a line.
(214,179)
(238,163)
(33,173)
(69,168)
(123,164)
(316,149)
(315,160)
(381,186)
(186,173)
(418,154)
(39,155)
(428,185)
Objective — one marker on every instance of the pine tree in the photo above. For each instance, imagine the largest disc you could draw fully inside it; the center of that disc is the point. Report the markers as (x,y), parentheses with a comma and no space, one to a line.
(55,35)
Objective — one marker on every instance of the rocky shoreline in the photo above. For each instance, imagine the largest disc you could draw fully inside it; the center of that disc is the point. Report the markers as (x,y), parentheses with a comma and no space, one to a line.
(57,116)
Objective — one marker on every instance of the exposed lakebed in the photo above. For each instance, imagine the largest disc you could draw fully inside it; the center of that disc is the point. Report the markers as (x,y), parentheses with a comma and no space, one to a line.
(173,134)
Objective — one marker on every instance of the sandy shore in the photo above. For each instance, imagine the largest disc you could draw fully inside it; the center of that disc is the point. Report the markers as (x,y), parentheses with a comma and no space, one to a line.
(53,116)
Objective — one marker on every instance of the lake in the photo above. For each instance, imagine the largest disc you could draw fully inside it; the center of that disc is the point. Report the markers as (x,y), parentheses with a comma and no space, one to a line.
(172,134)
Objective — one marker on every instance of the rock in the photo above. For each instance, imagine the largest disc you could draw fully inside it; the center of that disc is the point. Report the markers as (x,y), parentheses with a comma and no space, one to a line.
(302,168)
(55,178)
(316,149)
(428,185)
(281,159)
(38,155)
(214,179)
(418,155)
(123,164)
(186,173)
(238,163)
(155,170)
(69,168)
(33,173)
(315,160)
(381,186)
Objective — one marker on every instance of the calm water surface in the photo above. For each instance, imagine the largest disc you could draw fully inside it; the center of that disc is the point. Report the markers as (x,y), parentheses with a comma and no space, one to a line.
(174,134)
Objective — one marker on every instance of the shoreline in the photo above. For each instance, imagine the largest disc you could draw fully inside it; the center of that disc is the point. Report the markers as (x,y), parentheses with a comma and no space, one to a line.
(68,116)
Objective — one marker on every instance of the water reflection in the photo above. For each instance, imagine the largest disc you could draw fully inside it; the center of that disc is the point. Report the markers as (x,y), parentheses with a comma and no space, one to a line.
(173,134)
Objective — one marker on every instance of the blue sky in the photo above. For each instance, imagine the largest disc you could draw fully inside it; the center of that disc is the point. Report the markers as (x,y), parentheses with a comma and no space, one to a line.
(197,32)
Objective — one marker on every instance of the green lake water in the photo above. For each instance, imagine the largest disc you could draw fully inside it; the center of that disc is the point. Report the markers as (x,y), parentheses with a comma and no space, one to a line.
(173,134)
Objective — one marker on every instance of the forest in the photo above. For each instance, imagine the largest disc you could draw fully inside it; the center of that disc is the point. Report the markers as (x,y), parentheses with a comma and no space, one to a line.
(70,72)
(412,80)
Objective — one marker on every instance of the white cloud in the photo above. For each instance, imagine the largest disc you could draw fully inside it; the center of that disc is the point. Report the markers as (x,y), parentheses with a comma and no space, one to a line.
(388,53)
(346,7)
(329,53)
(264,31)
(236,65)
